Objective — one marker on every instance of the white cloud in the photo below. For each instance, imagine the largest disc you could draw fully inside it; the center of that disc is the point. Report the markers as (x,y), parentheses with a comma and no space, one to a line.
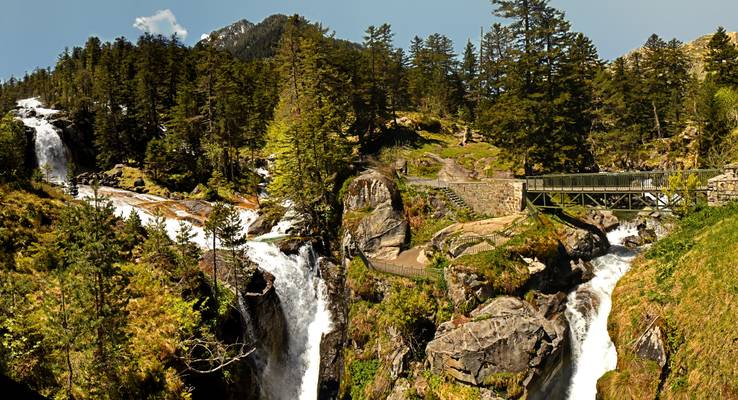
(163,22)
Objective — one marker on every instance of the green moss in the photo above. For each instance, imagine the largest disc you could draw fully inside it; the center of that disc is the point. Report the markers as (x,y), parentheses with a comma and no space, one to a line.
(507,382)
(505,271)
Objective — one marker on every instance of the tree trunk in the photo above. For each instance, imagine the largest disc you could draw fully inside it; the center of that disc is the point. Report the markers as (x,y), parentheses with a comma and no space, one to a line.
(215,269)
(67,350)
(656,119)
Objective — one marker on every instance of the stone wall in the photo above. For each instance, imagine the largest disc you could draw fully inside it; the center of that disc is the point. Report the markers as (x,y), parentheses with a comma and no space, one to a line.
(723,188)
(494,197)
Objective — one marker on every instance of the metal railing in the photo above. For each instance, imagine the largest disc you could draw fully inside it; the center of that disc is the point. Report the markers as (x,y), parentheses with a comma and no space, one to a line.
(409,272)
(475,244)
(655,181)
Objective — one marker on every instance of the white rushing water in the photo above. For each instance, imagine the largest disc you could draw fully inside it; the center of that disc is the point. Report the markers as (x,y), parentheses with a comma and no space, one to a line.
(587,310)
(51,153)
(302,295)
(300,290)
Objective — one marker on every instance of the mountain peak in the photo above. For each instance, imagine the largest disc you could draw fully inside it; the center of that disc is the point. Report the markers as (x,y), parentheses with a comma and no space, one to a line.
(249,41)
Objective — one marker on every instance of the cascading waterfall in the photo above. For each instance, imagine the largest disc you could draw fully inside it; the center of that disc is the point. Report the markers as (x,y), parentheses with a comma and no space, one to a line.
(51,153)
(587,310)
(297,283)
(302,295)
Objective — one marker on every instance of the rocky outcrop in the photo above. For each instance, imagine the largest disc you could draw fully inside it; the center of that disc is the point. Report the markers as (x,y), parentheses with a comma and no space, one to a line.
(373,202)
(101,178)
(332,344)
(585,244)
(261,315)
(650,345)
(268,324)
(506,336)
(604,220)
(466,289)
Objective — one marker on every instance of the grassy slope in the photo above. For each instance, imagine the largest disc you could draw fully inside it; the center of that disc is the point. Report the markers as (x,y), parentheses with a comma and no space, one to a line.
(480,156)
(689,280)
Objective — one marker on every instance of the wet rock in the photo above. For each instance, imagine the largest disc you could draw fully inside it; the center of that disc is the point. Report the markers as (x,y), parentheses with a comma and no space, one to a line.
(333,342)
(603,219)
(584,244)
(139,182)
(508,335)
(260,226)
(650,346)
(291,246)
(646,235)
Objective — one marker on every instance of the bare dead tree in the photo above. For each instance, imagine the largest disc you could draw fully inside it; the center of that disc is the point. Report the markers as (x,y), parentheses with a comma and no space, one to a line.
(207,356)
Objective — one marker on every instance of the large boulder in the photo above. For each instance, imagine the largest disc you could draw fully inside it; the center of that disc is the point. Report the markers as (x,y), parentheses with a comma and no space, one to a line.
(585,244)
(604,220)
(506,336)
(379,228)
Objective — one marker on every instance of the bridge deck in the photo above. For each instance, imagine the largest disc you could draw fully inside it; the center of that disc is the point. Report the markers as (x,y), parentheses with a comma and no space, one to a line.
(621,191)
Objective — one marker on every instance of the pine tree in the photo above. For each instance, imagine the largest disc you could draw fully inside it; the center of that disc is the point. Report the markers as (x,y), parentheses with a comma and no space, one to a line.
(72,188)
(308,133)
(721,60)
(213,229)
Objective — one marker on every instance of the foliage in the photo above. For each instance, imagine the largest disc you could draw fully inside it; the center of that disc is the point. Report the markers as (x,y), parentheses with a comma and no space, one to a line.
(505,271)
(362,374)
(684,188)
(12,149)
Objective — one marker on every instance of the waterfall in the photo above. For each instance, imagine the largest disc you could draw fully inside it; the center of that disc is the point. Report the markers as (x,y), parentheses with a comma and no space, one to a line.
(587,310)
(51,153)
(302,294)
(297,283)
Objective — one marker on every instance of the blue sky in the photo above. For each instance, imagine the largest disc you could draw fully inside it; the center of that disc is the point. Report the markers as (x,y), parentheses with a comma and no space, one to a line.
(35,32)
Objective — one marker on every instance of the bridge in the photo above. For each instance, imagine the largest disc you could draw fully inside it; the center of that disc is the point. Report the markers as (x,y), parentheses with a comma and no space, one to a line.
(614,191)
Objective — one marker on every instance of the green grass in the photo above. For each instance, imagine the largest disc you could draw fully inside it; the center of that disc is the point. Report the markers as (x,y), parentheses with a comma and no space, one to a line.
(480,156)
(503,269)
(689,281)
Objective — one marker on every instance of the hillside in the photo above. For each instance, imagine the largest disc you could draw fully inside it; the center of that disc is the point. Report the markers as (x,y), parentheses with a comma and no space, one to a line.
(696,49)
(675,307)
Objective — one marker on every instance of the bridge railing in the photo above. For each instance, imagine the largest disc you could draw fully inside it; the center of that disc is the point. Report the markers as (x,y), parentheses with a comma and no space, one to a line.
(653,181)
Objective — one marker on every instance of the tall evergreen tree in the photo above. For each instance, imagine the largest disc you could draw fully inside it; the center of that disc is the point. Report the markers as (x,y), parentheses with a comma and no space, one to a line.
(721,60)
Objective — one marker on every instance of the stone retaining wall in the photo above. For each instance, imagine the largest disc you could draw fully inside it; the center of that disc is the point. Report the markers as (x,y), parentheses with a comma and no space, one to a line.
(723,188)
(494,197)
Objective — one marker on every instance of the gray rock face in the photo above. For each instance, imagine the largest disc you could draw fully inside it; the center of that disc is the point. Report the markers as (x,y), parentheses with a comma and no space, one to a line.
(584,244)
(508,335)
(383,231)
(370,190)
(332,344)
(466,289)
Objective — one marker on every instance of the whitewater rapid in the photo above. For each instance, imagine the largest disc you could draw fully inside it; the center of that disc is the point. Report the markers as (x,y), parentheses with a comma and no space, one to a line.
(587,310)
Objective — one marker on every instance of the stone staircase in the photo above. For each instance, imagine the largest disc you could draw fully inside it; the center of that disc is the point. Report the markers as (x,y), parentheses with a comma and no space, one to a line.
(457,201)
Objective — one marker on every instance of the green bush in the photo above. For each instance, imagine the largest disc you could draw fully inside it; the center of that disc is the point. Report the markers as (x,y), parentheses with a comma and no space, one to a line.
(430,124)
(362,373)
